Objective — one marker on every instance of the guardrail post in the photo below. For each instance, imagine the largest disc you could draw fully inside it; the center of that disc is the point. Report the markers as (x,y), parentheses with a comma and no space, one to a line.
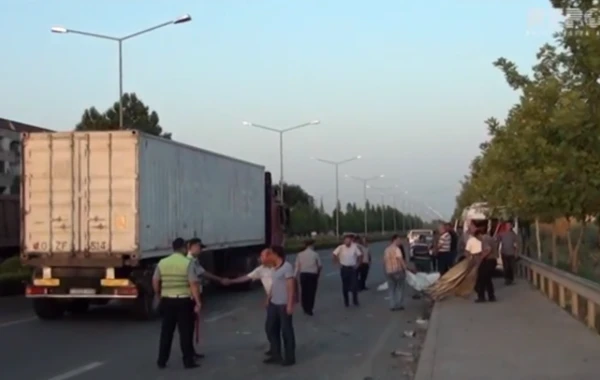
(575,304)
(591,314)
(562,297)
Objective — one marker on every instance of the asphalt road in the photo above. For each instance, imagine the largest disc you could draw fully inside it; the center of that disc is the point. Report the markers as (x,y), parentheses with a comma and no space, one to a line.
(337,343)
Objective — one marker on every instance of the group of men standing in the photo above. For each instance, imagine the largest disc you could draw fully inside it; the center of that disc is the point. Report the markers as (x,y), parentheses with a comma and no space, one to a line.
(177,285)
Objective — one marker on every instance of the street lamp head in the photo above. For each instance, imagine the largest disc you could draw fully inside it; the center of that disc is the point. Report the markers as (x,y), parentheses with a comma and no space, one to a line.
(246,123)
(315,122)
(59,29)
(358,157)
(182,19)
(381,175)
(346,176)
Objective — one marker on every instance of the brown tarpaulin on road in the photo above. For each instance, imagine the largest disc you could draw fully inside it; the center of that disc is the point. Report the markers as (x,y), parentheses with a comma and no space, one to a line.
(458,281)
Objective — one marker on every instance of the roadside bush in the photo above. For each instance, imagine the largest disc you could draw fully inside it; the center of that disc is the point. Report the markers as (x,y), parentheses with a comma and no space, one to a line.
(13,277)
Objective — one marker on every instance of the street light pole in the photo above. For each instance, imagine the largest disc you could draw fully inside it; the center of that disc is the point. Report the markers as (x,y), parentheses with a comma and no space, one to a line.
(382,214)
(337,164)
(365,182)
(395,212)
(281,132)
(61,30)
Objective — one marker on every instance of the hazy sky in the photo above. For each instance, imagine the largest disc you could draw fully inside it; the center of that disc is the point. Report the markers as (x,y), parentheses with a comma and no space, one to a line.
(405,84)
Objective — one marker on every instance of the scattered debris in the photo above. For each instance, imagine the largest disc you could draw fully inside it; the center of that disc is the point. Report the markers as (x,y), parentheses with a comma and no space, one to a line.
(421,321)
(403,354)
(409,334)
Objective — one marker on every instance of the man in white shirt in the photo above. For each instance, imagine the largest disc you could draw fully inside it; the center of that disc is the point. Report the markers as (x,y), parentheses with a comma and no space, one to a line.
(264,273)
(348,256)
(308,269)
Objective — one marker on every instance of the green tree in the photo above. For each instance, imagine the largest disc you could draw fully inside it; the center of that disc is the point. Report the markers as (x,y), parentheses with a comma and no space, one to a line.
(136,115)
(544,161)
(307,217)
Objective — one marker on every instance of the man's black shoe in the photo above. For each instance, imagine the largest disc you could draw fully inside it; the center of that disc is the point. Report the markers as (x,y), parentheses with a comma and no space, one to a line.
(479,300)
(191,365)
(492,299)
(198,356)
(288,363)
(272,360)
(161,365)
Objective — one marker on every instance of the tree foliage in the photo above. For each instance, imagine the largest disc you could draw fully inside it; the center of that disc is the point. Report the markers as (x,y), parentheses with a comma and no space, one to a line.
(543,161)
(308,217)
(136,115)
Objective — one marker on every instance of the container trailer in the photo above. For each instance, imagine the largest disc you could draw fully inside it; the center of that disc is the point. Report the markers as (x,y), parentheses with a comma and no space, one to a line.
(100,209)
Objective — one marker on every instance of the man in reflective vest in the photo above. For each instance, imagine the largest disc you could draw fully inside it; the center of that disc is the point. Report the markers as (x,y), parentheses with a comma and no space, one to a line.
(176,283)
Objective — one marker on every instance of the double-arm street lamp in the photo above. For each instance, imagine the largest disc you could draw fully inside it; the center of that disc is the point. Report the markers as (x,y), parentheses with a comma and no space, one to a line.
(337,164)
(281,132)
(120,40)
(365,182)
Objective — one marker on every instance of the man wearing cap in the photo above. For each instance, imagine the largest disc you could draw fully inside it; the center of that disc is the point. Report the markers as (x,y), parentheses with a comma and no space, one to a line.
(308,269)
(176,284)
(195,247)
(348,256)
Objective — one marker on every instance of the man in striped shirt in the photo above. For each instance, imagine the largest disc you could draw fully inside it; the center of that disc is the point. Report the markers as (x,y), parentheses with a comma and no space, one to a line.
(444,250)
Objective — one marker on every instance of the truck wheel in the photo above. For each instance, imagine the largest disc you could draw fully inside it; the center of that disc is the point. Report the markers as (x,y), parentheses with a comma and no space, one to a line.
(145,308)
(78,307)
(48,309)
(250,263)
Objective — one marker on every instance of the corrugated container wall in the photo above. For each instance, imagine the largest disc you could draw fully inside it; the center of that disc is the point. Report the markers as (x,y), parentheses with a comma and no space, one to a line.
(189,192)
(124,192)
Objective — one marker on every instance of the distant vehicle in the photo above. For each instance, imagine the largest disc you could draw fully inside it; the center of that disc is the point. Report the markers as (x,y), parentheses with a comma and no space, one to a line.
(481,212)
(413,236)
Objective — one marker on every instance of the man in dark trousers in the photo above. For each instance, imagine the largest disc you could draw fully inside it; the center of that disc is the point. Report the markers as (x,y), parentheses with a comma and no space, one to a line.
(308,269)
(281,308)
(453,243)
(176,284)
(349,257)
(509,247)
(365,265)
(444,254)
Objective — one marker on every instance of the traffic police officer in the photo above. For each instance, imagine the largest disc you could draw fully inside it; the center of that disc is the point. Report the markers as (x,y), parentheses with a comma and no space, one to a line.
(176,283)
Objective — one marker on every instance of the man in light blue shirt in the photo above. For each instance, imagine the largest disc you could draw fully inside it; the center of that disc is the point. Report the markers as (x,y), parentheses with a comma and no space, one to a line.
(282,297)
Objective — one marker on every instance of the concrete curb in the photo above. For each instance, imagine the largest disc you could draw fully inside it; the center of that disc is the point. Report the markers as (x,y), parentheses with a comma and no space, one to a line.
(426,363)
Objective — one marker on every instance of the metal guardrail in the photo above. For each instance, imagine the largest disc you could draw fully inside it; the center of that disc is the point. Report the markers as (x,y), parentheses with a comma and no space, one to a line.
(579,296)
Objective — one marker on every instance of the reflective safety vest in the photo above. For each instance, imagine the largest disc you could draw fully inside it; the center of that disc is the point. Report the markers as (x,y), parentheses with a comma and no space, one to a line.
(174,276)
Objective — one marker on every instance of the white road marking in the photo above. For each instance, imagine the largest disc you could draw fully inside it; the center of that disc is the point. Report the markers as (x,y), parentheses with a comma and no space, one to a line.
(221,315)
(333,273)
(16,322)
(77,371)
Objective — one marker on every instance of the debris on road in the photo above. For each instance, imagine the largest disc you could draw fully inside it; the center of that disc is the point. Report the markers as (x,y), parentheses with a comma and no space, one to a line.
(409,334)
(422,322)
(408,356)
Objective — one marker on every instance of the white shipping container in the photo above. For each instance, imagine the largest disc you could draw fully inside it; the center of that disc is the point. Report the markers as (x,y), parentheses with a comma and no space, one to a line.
(124,192)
